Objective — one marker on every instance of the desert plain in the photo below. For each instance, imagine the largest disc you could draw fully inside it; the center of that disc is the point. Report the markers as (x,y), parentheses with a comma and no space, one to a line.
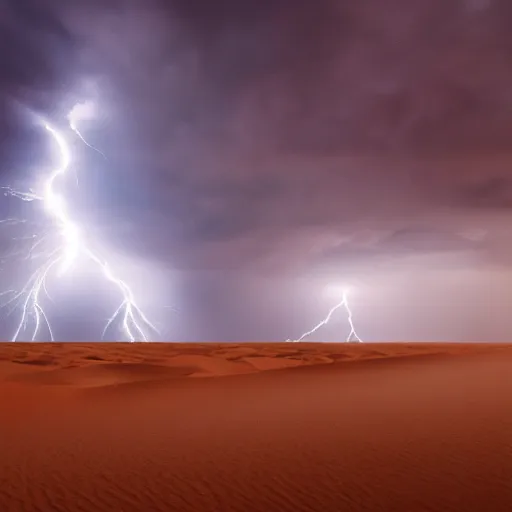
(255,427)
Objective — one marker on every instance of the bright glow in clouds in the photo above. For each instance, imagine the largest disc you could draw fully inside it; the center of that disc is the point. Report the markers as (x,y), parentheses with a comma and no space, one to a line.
(128,317)
(343,304)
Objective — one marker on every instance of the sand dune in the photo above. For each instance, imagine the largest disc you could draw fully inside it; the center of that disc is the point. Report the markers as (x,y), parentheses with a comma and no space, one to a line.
(255,427)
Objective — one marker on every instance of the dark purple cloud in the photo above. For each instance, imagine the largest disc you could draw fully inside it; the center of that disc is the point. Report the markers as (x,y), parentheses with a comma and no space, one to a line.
(285,138)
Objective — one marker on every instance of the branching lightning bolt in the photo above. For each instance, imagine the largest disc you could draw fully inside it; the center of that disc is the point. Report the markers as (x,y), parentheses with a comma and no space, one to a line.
(343,304)
(70,246)
(75,113)
(72,125)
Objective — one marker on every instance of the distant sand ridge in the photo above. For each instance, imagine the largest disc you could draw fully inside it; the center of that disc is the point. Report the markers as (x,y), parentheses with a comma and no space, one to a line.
(79,363)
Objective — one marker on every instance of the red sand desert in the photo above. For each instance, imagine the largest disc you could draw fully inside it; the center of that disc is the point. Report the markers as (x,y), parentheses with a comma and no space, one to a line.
(255,427)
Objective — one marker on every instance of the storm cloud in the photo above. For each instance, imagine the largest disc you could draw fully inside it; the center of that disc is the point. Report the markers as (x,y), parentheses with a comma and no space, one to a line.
(285,137)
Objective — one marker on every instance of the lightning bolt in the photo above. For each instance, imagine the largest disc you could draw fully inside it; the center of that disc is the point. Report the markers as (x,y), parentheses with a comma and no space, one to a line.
(82,109)
(343,304)
(69,246)
(73,126)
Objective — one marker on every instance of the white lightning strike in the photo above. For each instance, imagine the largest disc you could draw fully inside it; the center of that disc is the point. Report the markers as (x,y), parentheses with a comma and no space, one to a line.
(352,336)
(80,136)
(84,110)
(133,322)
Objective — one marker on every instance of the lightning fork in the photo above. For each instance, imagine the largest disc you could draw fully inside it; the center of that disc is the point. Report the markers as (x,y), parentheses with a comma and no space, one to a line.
(133,323)
(352,336)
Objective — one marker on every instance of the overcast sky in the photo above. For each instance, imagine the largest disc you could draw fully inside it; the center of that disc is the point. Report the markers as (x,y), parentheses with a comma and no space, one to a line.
(259,151)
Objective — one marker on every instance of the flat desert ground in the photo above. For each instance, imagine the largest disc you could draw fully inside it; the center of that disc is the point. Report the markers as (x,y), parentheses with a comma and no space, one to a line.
(255,427)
